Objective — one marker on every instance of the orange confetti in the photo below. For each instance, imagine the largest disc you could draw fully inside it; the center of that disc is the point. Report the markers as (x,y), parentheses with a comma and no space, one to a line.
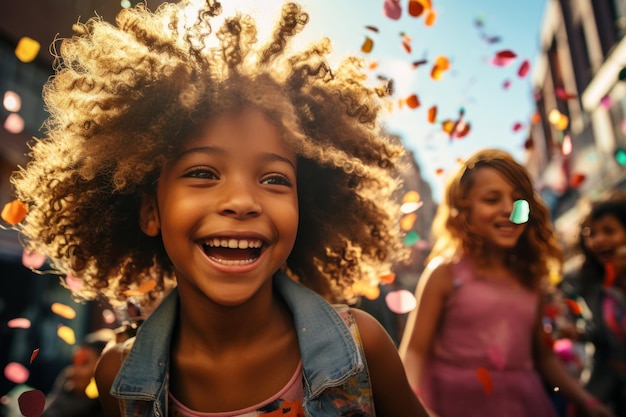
(432,114)
(411,197)
(431,17)
(407,221)
(574,307)
(388,278)
(485,379)
(577,179)
(413,101)
(407,47)
(367,46)
(536,118)
(33,355)
(63,310)
(439,171)
(14,212)
(373,65)
(443,62)
(406,38)
(142,289)
(448,126)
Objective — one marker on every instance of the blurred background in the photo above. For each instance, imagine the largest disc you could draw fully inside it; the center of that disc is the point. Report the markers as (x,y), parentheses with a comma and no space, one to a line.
(542,79)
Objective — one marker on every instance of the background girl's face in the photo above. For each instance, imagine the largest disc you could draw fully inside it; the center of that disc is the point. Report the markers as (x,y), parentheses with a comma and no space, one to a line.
(227,207)
(491,199)
(603,236)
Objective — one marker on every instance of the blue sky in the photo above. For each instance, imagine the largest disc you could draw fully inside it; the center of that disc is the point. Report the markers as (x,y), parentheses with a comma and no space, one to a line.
(471,83)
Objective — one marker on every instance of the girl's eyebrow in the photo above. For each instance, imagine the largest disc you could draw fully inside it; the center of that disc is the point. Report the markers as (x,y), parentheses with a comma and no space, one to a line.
(212,150)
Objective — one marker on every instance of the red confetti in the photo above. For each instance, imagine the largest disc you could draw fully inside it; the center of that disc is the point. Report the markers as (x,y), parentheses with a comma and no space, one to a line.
(517,127)
(503,58)
(432,114)
(507,54)
(407,47)
(564,95)
(416,8)
(506,84)
(33,355)
(31,403)
(523,68)
(574,307)
(485,378)
(577,179)
(388,278)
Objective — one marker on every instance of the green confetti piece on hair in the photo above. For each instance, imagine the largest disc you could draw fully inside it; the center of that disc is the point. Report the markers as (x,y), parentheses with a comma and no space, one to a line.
(520,212)
(622,74)
(411,238)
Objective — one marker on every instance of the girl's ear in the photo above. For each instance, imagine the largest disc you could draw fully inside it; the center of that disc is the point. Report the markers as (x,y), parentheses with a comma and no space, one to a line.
(149,216)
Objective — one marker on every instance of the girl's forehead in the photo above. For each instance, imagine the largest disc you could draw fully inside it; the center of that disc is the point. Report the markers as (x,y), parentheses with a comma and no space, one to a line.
(487,178)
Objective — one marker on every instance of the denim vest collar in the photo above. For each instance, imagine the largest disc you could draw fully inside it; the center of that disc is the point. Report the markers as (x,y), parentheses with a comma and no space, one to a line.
(330,355)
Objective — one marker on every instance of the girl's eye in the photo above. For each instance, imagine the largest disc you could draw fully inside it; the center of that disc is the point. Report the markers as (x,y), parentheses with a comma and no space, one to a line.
(201,172)
(276,179)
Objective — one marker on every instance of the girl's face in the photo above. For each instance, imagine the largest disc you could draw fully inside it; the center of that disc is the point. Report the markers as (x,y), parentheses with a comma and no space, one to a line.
(227,208)
(603,236)
(491,199)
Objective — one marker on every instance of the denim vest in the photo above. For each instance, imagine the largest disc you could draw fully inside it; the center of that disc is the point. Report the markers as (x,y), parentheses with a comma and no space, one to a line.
(335,377)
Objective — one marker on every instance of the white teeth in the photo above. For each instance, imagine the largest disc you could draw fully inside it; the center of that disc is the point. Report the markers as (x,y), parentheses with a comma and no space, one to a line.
(232,263)
(234,243)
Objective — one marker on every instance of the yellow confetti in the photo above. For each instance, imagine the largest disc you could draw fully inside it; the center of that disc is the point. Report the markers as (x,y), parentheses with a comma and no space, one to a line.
(407,221)
(367,46)
(63,310)
(92,390)
(67,335)
(27,49)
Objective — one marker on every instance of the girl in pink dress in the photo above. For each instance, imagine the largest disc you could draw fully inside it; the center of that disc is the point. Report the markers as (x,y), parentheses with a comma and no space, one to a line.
(475,346)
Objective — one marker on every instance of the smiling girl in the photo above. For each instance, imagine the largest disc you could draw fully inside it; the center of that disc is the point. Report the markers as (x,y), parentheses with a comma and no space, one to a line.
(475,346)
(256,180)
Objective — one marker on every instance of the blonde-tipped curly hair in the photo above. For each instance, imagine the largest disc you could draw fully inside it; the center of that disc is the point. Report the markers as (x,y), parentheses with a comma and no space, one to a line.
(537,252)
(125,97)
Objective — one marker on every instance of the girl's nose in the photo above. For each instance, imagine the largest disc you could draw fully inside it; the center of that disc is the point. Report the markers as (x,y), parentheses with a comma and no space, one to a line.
(239,200)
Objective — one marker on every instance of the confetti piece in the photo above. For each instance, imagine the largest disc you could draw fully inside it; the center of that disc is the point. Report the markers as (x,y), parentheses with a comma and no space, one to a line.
(407,221)
(411,238)
(523,69)
(416,64)
(27,49)
(606,102)
(411,197)
(16,372)
(32,259)
(371,292)
(485,379)
(14,212)
(12,101)
(14,123)
(503,58)
(517,126)
(34,355)
(142,289)
(416,8)
(535,118)
(400,301)
(407,47)
(439,171)
(564,95)
(367,46)
(432,114)
(413,101)
(506,84)
(520,212)
(31,403)
(372,28)
(92,389)
(19,323)
(63,310)
(431,17)
(574,307)
(67,335)
(108,316)
(577,179)
(622,75)
(392,9)
(462,129)
(387,278)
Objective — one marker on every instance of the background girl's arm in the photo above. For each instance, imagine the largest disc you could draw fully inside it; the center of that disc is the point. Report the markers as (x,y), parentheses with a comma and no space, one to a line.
(392,394)
(432,290)
(106,371)
(555,374)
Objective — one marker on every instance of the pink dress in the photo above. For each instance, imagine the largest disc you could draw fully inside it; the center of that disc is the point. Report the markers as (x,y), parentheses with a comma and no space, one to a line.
(481,362)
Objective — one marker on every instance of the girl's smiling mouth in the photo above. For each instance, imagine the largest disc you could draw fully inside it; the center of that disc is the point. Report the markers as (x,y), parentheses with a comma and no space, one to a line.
(233,251)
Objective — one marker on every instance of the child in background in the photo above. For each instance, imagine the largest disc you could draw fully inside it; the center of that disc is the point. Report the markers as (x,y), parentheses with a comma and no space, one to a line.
(601,283)
(475,346)
(256,178)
